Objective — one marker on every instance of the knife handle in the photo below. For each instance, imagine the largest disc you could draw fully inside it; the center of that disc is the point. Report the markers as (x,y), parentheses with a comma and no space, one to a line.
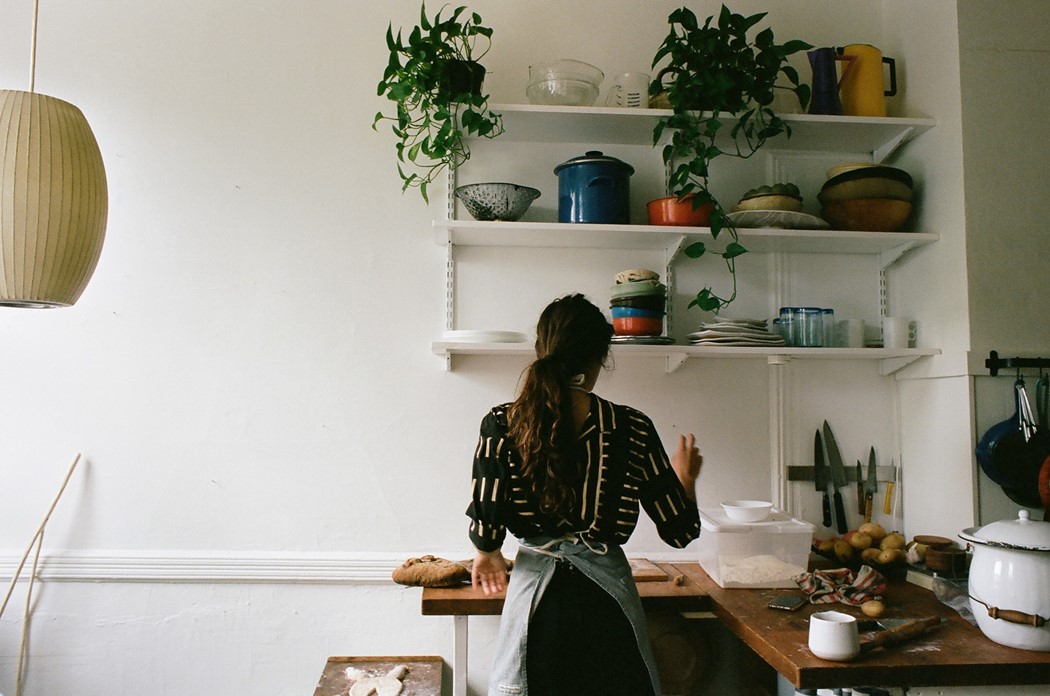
(826,509)
(901,633)
(840,513)
(887,505)
(867,506)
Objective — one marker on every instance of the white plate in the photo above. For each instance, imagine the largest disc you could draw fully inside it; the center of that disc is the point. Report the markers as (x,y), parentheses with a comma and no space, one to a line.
(786,219)
(472,336)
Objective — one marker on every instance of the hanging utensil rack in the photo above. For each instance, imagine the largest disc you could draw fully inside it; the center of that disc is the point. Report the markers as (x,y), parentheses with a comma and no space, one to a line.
(994,363)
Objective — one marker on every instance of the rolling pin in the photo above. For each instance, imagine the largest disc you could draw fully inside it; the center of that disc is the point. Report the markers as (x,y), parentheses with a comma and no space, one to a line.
(901,633)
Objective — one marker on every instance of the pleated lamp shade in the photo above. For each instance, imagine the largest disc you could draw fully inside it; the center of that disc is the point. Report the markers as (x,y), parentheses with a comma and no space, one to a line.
(53,201)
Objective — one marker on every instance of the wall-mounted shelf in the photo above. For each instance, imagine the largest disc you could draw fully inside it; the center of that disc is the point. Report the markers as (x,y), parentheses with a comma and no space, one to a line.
(656,237)
(891,359)
(873,136)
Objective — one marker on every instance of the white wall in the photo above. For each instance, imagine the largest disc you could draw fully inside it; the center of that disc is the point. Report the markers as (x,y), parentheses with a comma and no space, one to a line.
(265,430)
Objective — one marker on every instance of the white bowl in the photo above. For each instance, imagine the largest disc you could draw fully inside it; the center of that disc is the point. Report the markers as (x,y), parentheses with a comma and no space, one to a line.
(747,510)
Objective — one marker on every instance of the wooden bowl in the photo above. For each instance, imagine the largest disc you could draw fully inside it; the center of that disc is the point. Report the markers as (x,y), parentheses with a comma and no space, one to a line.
(867,214)
(870,187)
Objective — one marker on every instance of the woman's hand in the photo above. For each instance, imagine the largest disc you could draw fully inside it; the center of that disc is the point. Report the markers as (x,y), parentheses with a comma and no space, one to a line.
(489,572)
(686,462)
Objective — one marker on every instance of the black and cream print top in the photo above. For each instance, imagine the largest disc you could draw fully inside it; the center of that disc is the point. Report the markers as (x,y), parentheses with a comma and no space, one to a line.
(623,463)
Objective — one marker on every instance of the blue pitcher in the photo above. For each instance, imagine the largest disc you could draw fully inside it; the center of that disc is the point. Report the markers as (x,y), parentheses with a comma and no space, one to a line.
(826,82)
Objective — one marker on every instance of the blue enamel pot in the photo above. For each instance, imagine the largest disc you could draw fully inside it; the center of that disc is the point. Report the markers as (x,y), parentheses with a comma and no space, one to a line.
(594,188)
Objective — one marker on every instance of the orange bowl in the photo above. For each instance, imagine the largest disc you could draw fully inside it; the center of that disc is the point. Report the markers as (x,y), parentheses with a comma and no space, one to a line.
(867,214)
(638,326)
(671,211)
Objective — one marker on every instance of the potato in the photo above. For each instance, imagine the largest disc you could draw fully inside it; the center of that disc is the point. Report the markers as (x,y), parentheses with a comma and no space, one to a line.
(870,555)
(873,529)
(873,608)
(893,540)
(890,556)
(826,546)
(860,540)
(844,551)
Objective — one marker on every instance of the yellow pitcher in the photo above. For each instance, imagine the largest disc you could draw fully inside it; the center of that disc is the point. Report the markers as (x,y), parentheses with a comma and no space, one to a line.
(862,89)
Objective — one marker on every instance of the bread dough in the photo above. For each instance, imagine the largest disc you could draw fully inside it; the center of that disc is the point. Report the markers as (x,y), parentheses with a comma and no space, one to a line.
(431,571)
(388,685)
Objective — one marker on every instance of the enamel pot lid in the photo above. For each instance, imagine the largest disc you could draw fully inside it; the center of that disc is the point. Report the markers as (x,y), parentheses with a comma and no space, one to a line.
(1023,533)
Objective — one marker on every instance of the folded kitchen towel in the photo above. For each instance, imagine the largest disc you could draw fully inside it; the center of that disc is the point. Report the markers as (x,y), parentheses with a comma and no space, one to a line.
(842,585)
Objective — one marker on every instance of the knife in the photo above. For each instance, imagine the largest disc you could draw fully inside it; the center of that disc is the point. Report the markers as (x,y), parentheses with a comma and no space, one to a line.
(838,476)
(860,489)
(820,477)
(871,486)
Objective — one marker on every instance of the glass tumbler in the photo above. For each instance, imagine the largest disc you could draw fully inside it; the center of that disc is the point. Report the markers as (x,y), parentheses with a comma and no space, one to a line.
(828,317)
(809,324)
(788,327)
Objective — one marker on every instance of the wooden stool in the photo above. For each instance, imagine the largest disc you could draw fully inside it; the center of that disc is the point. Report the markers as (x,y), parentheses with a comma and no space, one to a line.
(423,677)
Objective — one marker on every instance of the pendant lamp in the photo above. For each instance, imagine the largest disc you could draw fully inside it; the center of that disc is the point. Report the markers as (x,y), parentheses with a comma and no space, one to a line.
(53,198)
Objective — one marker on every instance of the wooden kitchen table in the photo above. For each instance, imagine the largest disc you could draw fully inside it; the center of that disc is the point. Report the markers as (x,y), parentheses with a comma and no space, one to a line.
(953,654)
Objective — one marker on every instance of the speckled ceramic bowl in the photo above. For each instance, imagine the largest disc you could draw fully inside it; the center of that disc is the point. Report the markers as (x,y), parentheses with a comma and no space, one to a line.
(496,201)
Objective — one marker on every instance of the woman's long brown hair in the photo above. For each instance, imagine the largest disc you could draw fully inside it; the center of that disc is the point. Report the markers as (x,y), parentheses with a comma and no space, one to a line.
(572,336)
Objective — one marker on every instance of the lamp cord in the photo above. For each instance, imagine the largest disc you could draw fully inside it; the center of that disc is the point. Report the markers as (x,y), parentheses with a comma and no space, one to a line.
(32,48)
(39,531)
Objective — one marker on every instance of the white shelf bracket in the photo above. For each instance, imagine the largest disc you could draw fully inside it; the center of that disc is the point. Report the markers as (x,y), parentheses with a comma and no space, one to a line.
(889,366)
(674,361)
(890,257)
(884,151)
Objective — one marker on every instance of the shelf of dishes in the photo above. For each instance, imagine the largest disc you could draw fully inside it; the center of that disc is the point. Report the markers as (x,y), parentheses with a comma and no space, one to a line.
(662,237)
(876,136)
(891,359)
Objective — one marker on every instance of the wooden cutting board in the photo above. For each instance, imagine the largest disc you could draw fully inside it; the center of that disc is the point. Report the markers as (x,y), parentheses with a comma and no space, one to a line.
(645,570)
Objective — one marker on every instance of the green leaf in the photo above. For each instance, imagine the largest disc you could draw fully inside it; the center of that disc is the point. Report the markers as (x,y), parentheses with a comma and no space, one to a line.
(706,301)
(794,46)
(733,250)
(695,250)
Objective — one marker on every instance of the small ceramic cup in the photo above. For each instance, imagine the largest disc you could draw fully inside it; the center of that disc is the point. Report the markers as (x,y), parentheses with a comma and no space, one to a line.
(897,332)
(833,636)
(851,333)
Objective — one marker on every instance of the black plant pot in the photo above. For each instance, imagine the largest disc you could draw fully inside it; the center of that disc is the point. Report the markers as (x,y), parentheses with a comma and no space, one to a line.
(462,78)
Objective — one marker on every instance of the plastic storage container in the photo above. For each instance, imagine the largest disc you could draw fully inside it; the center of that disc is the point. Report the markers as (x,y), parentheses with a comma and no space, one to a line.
(754,554)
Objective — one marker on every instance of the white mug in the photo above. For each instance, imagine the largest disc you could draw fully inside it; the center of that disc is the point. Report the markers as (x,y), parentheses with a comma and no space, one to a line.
(851,333)
(630,90)
(833,636)
(897,332)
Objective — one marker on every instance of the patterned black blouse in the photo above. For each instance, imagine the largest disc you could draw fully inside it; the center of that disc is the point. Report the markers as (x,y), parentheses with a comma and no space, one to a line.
(623,464)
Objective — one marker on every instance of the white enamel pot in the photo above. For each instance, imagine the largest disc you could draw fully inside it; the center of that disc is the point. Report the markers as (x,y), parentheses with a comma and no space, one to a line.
(1010,581)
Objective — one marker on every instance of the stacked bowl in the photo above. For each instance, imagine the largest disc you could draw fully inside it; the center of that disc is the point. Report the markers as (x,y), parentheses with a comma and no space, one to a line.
(866,197)
(563,83)
(637,302)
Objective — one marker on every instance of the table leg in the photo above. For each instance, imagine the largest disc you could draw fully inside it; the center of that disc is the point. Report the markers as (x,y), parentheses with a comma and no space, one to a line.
(459,655)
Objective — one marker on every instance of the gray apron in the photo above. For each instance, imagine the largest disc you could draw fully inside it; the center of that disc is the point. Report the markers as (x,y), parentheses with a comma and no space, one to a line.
(533,568)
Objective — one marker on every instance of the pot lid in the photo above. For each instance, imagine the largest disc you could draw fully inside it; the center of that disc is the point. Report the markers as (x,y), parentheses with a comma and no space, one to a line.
(1023,533)
(595,157)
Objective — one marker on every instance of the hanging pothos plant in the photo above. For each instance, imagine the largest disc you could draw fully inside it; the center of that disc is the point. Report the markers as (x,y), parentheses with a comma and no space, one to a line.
(713,71)
(434,79)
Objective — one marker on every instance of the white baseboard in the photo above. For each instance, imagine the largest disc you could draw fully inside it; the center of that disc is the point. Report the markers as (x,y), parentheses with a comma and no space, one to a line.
(208,567)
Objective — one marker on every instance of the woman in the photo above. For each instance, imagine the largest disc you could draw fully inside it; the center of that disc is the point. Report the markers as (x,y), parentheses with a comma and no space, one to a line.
(564,471)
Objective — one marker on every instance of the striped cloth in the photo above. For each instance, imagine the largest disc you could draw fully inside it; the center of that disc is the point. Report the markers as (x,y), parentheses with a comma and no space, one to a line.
(842,585)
